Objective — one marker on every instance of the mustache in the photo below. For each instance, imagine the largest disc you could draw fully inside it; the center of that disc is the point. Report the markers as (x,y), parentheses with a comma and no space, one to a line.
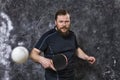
(64,27)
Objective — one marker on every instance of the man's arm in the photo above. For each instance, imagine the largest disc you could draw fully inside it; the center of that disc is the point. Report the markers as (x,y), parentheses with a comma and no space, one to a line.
(35,55)
(45,62)
(84,56)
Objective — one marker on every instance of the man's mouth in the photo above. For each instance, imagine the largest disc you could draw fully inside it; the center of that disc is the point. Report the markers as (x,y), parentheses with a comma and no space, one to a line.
(64,28)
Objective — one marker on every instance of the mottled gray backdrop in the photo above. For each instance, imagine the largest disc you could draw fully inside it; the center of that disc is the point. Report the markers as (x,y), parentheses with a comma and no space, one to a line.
(95,23)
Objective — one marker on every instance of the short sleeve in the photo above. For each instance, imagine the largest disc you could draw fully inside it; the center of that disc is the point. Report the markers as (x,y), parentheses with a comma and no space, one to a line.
(41,44)
(76,43)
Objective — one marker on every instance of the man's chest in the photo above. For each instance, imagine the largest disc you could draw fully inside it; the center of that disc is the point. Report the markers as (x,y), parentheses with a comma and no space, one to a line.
(59,44)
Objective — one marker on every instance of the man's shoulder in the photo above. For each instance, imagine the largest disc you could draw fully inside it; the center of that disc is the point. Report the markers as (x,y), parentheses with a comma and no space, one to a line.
(71,32)
(48,33)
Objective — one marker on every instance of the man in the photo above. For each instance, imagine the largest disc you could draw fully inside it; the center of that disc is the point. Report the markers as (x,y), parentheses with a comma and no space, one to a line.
(55,41)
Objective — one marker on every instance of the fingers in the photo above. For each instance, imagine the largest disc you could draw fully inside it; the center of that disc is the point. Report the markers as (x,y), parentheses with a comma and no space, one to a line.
(91,60)
(52,65)
(48,64)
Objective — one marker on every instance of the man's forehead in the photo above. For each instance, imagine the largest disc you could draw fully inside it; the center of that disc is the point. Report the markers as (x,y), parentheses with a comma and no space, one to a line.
(63,16)
(67,15)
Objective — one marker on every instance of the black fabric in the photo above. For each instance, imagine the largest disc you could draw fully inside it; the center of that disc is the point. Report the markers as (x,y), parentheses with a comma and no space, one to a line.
(52,43)
(42,42)
(51,75)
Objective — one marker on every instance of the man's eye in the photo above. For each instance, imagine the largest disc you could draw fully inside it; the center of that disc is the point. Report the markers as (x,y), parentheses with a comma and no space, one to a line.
(60,21)
(66,21)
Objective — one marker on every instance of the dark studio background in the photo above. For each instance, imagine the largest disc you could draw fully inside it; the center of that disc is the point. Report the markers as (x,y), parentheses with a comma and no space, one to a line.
(95,23)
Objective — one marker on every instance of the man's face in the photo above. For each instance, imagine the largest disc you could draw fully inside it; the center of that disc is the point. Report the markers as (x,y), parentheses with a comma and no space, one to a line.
(63,23)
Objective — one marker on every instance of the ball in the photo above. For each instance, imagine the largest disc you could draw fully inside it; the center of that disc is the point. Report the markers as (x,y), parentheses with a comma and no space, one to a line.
(20,54)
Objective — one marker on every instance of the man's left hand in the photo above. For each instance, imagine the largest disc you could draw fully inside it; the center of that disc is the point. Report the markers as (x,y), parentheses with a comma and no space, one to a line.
(91,59)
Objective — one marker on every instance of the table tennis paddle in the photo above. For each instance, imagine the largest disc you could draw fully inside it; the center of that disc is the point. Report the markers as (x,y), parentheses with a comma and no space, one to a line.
(59,61)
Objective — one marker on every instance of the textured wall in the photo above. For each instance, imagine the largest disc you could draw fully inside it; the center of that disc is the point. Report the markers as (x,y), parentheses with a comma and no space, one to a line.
(95,23)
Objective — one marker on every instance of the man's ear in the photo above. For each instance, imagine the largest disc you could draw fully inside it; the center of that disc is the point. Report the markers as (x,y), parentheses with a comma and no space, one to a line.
(55,22)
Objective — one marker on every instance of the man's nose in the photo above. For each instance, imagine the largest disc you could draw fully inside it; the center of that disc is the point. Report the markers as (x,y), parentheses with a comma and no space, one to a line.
(64,23)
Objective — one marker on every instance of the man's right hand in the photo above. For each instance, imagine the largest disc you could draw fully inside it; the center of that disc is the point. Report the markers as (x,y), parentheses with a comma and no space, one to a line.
(46,63)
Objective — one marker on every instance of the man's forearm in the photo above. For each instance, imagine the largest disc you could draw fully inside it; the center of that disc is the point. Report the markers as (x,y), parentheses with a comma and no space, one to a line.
(34,55)
(81,54)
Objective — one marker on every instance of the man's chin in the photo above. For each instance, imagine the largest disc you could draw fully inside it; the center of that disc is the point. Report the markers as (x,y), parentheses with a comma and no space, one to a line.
(64,33)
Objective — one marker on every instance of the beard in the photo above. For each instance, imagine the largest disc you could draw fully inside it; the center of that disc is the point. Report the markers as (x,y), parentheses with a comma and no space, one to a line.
(63,34)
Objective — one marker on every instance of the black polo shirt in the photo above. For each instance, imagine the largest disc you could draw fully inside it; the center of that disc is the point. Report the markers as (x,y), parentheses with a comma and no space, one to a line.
(52,43)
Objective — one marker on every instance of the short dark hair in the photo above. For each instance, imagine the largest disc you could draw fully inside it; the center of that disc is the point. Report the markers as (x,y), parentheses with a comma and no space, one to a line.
(61,12)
